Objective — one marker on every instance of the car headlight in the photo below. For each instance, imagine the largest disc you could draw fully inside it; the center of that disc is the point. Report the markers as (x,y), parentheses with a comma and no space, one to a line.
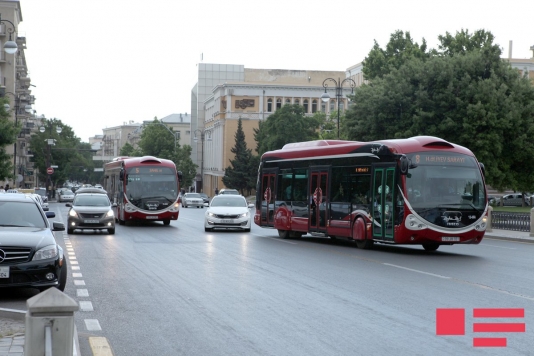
(211,215)
(73,213)
(110,213)
(46,253)
(244,215)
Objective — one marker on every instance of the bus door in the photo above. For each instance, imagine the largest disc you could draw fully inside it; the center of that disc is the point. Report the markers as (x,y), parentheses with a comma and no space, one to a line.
(317,199)
(383,208)
(268,189)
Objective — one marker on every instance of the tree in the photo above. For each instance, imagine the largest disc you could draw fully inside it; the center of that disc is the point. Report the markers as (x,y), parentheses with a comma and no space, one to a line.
(157,140)
(238,174)
(286,125)
(399,49)
(469,97)
(8,135)
(130,151)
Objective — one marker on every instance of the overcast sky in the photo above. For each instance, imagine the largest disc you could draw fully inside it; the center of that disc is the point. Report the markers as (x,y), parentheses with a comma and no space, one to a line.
(99,63)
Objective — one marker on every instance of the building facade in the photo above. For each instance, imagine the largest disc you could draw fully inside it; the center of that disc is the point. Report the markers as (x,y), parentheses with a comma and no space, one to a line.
(16,86)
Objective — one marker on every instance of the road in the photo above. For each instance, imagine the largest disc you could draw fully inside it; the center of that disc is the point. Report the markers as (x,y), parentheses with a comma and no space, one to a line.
(177,290)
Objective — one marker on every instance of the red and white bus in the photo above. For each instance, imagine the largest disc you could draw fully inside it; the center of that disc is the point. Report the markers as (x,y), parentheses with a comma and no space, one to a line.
(143,188)
(421,190)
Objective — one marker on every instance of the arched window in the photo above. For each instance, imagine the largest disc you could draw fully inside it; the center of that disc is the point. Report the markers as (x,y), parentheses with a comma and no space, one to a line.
(288,102)
(306,106)
(314,105)
(297,102)
(269,105)
(341,106)
(323,107)
(278,103)
(332,105)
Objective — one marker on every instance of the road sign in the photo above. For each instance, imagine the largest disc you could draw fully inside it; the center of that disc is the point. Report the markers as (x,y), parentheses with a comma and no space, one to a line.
(99,169)
(50,170)
(53,166)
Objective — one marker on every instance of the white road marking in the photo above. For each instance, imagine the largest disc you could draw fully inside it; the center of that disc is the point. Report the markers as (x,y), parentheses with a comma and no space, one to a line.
(507,248)
(78,282)
(74,262)
(75,268)
(77,275)
(92,324)
(415,270)
(86,306)
(82,293)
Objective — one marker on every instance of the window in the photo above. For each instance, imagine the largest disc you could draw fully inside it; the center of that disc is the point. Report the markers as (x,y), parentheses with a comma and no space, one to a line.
(323,107)
(177,133)
(341,106)
(269,105)
(314,105)
(297,102)
(278,103)
(305,105)
(332,105)
(288,102)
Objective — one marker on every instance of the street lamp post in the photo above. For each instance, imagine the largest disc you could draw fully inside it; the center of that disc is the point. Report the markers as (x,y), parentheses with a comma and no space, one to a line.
(339,93)
(202,134)
(27,108)
(10,46)
(50,142)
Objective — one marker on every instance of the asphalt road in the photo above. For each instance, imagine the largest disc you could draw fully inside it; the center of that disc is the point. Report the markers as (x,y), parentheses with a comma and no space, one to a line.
(176,290)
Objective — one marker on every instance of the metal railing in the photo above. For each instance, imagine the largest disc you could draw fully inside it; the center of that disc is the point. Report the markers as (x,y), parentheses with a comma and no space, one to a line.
(510,221)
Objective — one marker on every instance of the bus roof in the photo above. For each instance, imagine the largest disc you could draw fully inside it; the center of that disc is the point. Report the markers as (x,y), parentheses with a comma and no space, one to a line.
(134,161)
(339,147)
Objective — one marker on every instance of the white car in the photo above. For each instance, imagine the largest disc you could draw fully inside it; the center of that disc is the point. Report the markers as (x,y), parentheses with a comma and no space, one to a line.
(192,199)
(228,212)
(65,195)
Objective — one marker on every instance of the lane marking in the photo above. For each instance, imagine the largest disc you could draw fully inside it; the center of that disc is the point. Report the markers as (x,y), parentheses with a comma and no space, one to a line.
(77,275)
(86,305)
(82,293)
(78,282)
(100,346)
(507,248)
(92,324)
(417,271)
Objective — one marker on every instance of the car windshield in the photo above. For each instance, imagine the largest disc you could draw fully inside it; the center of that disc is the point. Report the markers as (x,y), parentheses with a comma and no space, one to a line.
(221,201)
(192,195)
(91,200)
(21,214)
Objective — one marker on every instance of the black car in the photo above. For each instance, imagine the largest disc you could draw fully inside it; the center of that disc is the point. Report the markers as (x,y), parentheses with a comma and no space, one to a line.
(29,254)
(205,197)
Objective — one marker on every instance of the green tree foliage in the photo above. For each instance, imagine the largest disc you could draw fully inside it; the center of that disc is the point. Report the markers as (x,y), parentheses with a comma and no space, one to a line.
(130,151)
(157,140)
(8,134)
(465,94)
(399,49)
(73,157)
(288,124)
(240,174)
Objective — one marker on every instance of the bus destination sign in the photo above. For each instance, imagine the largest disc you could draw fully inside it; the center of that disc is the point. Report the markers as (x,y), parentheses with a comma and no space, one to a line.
(441,159)
(150,170)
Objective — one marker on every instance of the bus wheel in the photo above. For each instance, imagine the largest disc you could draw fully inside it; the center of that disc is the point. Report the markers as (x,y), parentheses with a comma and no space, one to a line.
(358,229)
(166,222)
(431,246)
(284,234)
(121,222)
(364,244)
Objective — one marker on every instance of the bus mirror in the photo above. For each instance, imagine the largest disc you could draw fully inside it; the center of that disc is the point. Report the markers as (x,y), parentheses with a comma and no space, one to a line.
(180,176)
(121,175)
(403,160)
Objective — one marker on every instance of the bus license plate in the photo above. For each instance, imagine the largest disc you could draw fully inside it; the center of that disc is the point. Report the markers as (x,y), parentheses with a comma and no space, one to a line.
(227,221)
(91,221)
(4,272)
(450,238)
(151,217)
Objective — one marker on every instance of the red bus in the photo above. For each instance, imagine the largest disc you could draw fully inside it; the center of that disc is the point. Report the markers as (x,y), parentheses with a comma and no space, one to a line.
(143,188)
(421,190)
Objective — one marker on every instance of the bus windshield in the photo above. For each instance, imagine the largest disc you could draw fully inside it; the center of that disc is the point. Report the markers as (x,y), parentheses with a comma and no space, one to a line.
(444,180)
(158,183)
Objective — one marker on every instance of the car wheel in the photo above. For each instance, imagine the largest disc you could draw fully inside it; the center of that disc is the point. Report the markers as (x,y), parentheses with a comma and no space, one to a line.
(166,222)
(121,222)
(62,280)
(70,231)
(111,231)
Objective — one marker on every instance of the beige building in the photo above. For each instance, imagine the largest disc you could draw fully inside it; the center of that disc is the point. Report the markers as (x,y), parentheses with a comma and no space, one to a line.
(16,86)
(113,139)
(225,93)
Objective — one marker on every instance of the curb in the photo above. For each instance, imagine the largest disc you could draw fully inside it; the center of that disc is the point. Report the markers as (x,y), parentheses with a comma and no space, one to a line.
(509,238)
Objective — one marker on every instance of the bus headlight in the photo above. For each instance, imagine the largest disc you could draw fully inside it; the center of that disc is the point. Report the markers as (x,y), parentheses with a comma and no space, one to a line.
(129,208)
(175,207)
(414,223)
